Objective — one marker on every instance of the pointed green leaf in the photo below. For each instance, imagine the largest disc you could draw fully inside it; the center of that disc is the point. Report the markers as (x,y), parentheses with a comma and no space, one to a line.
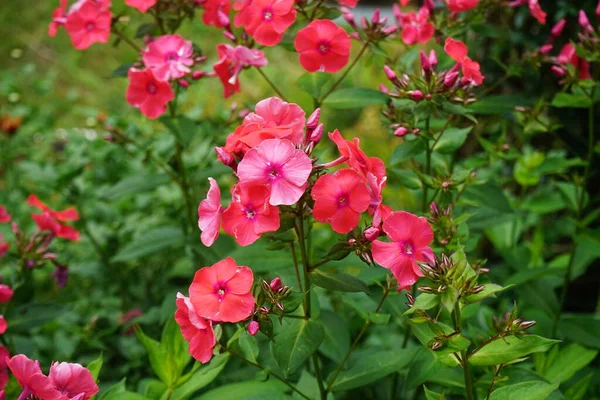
(338,281)
(508,348)
(294,342)
(534,390)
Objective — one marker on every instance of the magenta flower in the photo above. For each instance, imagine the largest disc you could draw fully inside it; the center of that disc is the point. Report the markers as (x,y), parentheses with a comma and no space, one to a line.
(278,164)
(222,292)
(169,57)
(147,93)
(209,214)
(410,238)
(4,215)
(141,5)
(339,199)
(231,62)
(323,46)
(88,23)
(196,330)
(250,215)
(416,27)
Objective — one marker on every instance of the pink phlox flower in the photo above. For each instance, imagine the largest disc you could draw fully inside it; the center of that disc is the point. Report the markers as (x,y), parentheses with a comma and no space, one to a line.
(142,5)
(458,51)
(169,57)
(416,27)
(88,22)
(209,214)
(196,330)
(148,93)
(4,215)
(266,20)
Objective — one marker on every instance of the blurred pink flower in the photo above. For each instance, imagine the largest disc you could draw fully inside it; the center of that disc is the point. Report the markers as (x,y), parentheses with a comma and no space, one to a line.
(141,5)
(147,93)
(169,57)
(4,215)
(231,62)
(51,220)
(216,12)
(87,23)
(416,27)
(462,5)
(209,214)
(6,293)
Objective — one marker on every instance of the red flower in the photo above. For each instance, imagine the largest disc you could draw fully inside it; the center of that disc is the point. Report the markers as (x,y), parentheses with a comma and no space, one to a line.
(278,164)
(266,20)
(250,215)
(339,199)
(197,331)
(416,27)
(568,55)
(356,158)
(51,220)
(4,356)
(348,3)
(209,214)
(29,375)
(272,118)
(4,246)
(536,11)
(323,46)
(141,5)
(3,325)
(231,62)
(222,292)
(88,24)
(148,93)
(458,51)
(4,215)
(169,57)
(462,5)
(216,12)
(410,238)
(58,18)
(6,293)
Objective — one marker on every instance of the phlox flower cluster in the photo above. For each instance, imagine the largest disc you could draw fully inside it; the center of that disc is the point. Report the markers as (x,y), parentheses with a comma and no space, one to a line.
(271,154)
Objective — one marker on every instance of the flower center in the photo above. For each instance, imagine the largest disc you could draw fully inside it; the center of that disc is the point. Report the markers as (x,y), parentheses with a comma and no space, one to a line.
(268,14)
(342,200)
(151,88)
(90,26)
(407,248)
(172,56)
(250,213)
(323,47)
(220,290)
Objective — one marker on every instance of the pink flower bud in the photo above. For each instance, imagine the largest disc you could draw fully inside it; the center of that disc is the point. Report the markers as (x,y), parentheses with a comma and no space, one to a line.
(371,233)
(183,83)
(584,21)
(425,64)
(416,95)
(364,23)
(450,79)
(433,59)
(389,73)
(558,28)
(416,131)
(224,156)
(317,134)
(222,18)
(348,16)
(428,96)
(388,30)
(197,75)
(401,131)
(545,49)
(397,12)
(230,36)
(6,293)
(429,4)
(351,241)
(598,10)
(275,284)
(383,88)
(375,17)
(558,71)
(253,328)
(355,35)
(313,120)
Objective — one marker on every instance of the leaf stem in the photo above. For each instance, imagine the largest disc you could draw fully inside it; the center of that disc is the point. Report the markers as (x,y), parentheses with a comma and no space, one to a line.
(124,38)
(296,267)
(273,374)
(427,166)
(463,354)
(275,88)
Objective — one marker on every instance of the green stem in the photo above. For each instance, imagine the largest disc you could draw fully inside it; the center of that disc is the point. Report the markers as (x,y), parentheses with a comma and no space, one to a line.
(275,88)
(424,204)
(319,377)
(491,388)
(124,38)
(341,78)
(463,354)
(268,370)
(296,267)
(355,343)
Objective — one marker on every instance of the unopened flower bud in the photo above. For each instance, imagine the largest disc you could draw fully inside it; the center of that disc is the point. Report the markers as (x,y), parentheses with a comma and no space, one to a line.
(355,35)
(436,345)
(433,59)
(224,156)
(545,49)
(433,208)
(389,73)
(428,96)
(558,28)
(397,12)
(264,310)
(351,241)
(348,16)
(450,79)
(425,63)
(410,299)
(280,306)
(558,71)
(383,88)
(197,75)
(527,324)
(183,83)
(371,233)
(477,289)
(376,16)
(598,10)
(388,30)
(222,18)
(229,36)
(584,21)
(401,131)
(253,328)
(317,134)
(416,131)
(275,284)
(364,22)
(416,95)
(313,120)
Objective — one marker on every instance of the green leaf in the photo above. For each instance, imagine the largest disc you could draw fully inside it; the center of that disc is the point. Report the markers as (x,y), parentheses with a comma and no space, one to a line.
(149,243)
(95,366)
(314,83)
(338,281)
(508,348)
(379,319)
(534,390)
(584,329)
(118,392)
(249,346)
(157,354)
(566,100)
(424,301)
(121,71)
(498,105)
(488,290)
(406,178)
(202,377)
(176,348)
(452,139)
(449,298)
(336,341)
(294,342)
(372,367)
(407,150)
(580,388)
(248,390)
(355,98)
(568,361)
(134,185)
(430,395)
